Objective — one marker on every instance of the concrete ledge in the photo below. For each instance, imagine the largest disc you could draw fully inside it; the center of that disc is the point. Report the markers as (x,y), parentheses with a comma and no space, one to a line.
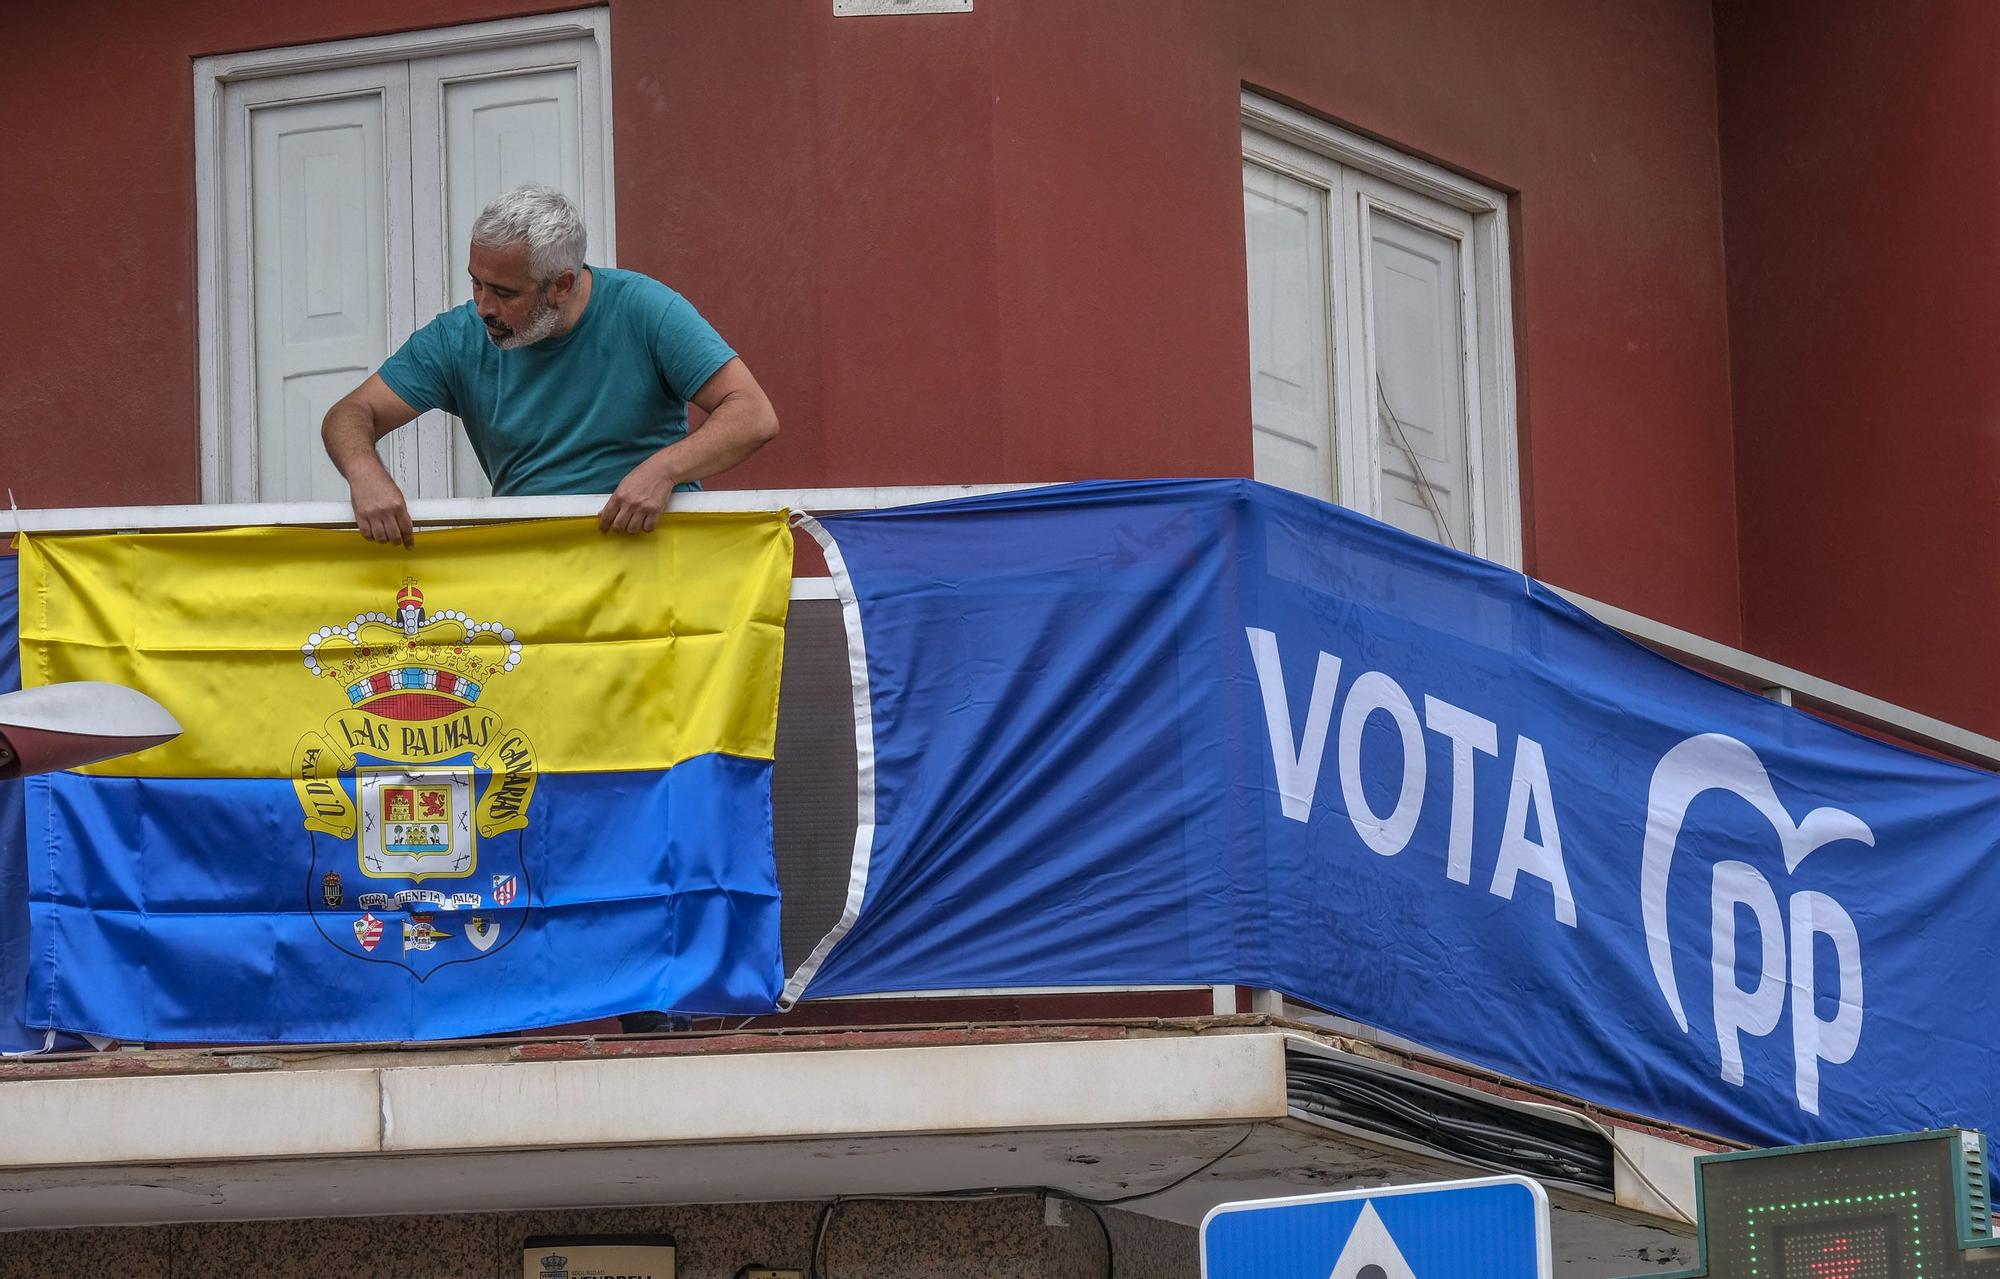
(310,1113)
(856,1092)
(59,1122)
(1182,1116)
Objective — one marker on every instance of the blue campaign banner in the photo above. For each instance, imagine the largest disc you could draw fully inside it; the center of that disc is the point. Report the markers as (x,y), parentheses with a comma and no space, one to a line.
(1209,731)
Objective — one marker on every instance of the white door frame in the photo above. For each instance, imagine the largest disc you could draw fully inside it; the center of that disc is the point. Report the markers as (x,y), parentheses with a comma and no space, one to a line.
(1270,128)
(212,77)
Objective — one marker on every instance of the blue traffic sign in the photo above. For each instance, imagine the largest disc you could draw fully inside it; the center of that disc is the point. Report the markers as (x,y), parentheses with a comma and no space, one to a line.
(1489,1228)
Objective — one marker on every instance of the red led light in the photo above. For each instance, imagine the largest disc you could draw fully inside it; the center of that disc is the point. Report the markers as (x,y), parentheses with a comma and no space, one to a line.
(1852,1249)
(1837,1259)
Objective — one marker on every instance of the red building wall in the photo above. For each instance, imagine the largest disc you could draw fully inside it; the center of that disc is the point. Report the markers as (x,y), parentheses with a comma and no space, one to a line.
(1004,245)
(1861,203)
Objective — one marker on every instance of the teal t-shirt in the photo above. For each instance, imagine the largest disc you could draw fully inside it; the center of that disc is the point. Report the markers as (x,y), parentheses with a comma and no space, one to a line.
(575,413)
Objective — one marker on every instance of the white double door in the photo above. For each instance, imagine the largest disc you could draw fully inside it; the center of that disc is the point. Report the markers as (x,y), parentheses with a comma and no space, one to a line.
(1364,375)
(348,197)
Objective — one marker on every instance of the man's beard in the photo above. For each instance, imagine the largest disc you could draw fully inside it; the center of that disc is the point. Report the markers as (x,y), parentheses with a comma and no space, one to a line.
(541,323)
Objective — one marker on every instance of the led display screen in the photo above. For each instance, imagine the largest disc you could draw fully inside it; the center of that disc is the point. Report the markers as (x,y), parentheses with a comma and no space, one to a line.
(1881,1210)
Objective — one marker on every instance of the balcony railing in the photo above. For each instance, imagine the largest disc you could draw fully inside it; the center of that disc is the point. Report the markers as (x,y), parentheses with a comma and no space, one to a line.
(813,782)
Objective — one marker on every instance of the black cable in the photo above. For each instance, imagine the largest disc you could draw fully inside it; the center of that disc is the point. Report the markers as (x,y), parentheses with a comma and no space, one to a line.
(1466,1137)
(824,1221)
(1412,1110)
(1110,1250)
(995,1192)
(1178,1181)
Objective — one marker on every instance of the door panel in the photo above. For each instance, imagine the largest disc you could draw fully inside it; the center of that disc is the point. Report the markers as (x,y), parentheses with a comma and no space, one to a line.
(321,292)
(321,309)
(498,133)
(484,123)
(502,131)
(1284,232)
(316,267)
(298,467)
(1419,349)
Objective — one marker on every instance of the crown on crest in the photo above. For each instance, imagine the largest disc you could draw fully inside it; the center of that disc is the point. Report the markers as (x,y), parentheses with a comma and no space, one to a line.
(410,664)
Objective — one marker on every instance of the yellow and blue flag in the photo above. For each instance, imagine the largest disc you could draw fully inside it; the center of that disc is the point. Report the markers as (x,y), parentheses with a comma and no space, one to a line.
(517,776)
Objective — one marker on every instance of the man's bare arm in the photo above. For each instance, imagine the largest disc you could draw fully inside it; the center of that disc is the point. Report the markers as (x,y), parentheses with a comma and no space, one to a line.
(361,417)
(740,421)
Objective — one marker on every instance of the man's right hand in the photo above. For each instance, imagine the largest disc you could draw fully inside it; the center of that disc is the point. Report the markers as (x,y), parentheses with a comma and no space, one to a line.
(351,428)
(380,511)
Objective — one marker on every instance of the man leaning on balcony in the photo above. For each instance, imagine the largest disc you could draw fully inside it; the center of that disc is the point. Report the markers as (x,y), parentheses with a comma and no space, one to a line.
(569,378)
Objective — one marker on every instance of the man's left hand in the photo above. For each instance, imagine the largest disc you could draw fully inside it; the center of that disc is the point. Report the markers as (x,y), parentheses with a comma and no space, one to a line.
(739,422)
(636,505)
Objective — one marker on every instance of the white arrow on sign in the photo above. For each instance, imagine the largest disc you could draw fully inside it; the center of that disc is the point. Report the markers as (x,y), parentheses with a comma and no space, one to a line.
(1370,1252)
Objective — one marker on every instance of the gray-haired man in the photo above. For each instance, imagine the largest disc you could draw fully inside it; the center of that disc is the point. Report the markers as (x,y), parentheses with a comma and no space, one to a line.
(569,379)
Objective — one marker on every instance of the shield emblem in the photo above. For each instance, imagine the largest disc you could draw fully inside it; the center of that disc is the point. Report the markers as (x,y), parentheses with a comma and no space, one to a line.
(482,931)
(416,822)
(410,780)
(416,825)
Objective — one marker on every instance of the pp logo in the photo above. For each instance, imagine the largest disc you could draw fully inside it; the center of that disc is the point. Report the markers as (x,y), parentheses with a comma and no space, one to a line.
(1785,966)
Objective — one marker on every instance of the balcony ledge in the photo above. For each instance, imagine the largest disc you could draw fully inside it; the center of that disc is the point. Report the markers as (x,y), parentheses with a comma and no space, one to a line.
(1194,1108)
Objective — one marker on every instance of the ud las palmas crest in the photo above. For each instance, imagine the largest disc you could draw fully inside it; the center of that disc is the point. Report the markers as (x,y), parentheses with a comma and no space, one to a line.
(416,796)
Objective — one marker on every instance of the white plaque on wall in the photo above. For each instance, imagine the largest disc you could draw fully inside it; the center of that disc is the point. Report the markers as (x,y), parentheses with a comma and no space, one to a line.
(859,8)
(598,1257)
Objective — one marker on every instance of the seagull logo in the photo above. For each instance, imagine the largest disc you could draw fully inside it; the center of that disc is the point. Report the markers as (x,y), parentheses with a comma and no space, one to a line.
(1784,964)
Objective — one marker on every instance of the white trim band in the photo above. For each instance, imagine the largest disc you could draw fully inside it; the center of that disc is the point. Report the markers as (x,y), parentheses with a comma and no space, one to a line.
(864,763)
(479,510)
